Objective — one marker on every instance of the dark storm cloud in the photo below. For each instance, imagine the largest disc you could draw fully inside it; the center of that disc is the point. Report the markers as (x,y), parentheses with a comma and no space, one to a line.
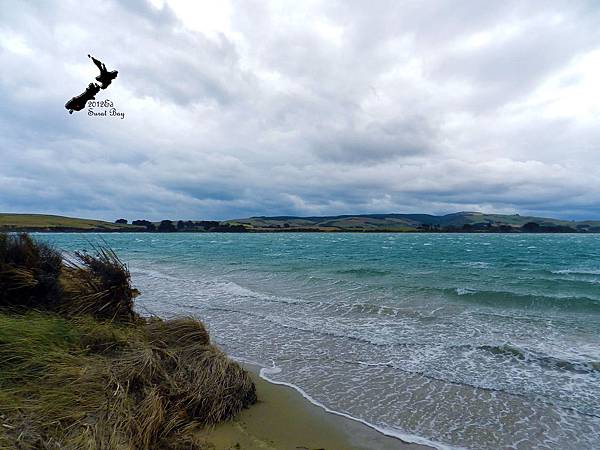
(247,108)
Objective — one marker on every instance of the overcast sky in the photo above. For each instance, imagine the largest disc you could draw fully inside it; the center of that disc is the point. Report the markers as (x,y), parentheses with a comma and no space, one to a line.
(235,109)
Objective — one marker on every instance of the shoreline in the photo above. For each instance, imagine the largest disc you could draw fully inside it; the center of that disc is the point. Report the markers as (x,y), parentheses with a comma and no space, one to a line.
(55,230)
(286,418)
(292,231)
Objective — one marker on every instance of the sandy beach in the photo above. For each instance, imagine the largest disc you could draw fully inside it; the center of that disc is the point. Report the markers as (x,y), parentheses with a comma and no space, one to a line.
(283,419)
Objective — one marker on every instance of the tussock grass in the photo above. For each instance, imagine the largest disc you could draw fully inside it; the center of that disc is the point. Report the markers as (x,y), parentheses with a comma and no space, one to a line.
(33,275)
(177,333)
(81,383)
(29,273)
(80,370)
(48,381)
(98,284)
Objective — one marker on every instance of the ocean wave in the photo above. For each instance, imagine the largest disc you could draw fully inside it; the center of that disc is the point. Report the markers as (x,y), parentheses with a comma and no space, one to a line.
(506,350)
(575,281)
(576,271)
(464,291)
(340,308)
(364,272)
(493,298)
(151,273)
(546,361)
(304,326)
(510,351)
(239,291)
(476,264)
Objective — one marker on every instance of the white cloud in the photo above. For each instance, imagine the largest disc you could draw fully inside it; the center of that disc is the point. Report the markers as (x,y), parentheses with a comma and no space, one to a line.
(14,43)
(238,108)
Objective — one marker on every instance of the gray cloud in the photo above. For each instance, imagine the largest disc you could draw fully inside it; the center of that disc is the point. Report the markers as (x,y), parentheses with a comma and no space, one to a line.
(248,108)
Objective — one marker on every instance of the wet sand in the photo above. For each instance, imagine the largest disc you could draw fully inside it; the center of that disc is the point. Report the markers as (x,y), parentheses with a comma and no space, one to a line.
(283,419)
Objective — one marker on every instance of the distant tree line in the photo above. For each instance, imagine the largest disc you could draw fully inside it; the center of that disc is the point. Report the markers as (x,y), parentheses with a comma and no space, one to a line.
(182,226)
(489,227)
(169,226)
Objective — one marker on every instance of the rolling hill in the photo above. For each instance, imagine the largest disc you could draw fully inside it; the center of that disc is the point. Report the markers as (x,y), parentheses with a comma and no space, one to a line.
(456,222)
(41,222)
(409,222)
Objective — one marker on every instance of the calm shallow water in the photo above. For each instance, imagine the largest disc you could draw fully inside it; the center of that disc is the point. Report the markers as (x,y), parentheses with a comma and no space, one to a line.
(464,340)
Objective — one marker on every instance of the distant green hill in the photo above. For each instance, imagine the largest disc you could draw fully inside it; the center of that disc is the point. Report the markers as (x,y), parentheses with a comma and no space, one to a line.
(457,222)
(41,222)
(461,221)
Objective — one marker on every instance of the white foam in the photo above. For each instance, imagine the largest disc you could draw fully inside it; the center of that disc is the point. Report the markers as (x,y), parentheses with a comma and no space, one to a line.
(464,291)
(577,271)
(388,431)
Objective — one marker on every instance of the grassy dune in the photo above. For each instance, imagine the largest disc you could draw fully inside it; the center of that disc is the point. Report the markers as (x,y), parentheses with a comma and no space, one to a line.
(82,383)
(79,369)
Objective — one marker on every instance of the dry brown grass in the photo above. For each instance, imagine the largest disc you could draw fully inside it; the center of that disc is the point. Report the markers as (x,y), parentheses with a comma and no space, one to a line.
(33,275)
(177,333)
(98,284)
(180,380)
(29,273)
(88,384)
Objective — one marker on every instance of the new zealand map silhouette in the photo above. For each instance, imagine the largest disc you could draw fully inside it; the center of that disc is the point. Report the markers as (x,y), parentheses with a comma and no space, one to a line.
(105,78)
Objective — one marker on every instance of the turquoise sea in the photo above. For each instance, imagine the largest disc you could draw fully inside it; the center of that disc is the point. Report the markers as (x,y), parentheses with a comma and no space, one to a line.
(473,341)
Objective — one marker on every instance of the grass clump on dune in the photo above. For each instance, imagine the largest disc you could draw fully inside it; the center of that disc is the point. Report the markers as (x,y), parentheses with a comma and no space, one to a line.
(33,275)
(29,273)
(98,284)
(79,369)
(51,388)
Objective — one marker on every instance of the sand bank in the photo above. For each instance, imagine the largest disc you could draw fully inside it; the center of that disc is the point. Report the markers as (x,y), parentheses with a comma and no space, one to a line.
(283,419)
